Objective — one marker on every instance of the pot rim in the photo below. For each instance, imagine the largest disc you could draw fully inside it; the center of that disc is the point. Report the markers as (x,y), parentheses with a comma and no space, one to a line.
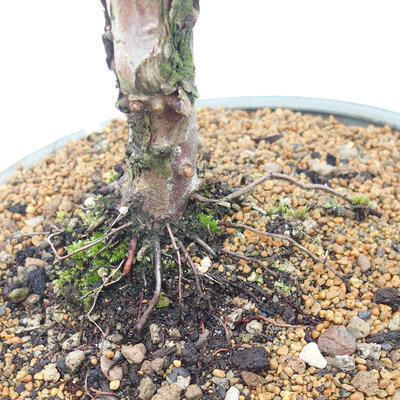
(344,111)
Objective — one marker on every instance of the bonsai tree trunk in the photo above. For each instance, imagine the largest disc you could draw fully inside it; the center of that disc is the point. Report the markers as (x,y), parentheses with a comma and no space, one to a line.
(149,47)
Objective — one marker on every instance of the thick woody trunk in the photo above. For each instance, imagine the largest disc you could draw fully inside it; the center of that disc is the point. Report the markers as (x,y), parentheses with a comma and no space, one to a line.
(149,47)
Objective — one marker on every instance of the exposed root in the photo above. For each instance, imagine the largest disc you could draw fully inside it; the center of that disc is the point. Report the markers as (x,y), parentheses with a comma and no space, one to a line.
(33,328)
(272,175)
(224,323)
(20,235)
(51,243)
(223,349)
(275,323)
(193,267)
(178,256)
(153,302)
(249,259)
(255,207)
(223,281)
(323,261)
(306,186)
(280,254)
(122,212)
(130,257)
(139,313)
(206,246)
(199,197)
(221,202)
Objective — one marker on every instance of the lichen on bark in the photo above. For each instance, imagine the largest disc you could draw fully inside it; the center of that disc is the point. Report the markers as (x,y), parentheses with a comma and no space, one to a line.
(149,47)
(178,66)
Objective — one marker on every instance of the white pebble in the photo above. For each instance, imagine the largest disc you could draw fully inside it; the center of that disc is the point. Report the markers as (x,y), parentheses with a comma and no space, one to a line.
(205,265)
(312,356)
(89,202)
(232,393)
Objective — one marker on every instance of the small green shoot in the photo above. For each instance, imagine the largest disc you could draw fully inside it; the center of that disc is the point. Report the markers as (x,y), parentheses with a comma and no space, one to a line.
(272,211)
(256,278)
(331,204)
(209,222)
(288,211)
(283,288)
(301,213)
(283,207)
(361,199)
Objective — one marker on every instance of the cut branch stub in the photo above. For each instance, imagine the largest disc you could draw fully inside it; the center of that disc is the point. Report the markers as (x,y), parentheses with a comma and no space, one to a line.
(152,58)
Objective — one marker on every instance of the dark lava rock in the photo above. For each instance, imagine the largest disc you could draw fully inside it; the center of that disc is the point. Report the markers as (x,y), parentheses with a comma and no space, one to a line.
(193,337)
(20,388)
(387,346)
(220,392)
(17,209)
(367,175)
(365,315)
(190,354)
(337,341)
(32,251)
(389,296)
(330,159)
(37,281)
(289,315)
(93,378)
(391,337)
(254,359)
(62,366)
(178,372)
(133,376)
(268,139)
(396,246)
(20,257)
(315,154)
(206,156)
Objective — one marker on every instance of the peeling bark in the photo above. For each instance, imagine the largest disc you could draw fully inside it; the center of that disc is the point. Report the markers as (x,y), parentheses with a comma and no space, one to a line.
(149,47)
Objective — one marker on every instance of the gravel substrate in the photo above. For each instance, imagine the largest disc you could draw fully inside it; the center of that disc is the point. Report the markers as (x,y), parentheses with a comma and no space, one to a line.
(352,352)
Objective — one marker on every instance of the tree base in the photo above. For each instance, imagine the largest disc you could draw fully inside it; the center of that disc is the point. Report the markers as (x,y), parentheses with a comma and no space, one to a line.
(202,228)
(106,236)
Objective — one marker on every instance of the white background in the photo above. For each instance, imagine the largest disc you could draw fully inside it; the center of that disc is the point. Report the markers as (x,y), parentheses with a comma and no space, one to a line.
(54,81)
